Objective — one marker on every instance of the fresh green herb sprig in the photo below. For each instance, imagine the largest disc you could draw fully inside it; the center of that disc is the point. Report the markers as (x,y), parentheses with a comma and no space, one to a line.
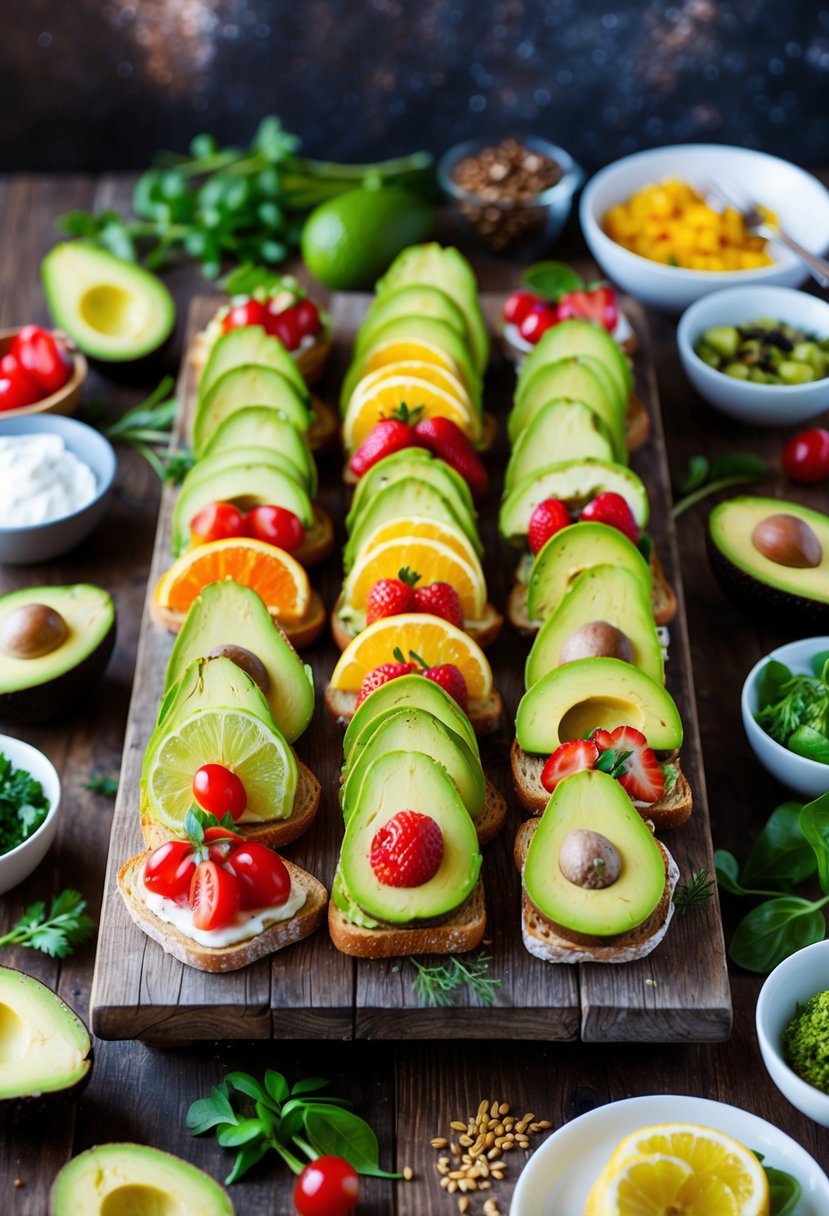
(784,1189)
(103,784)
(794,709)
(694,893)
(441,984)
(23,805)
(704,477)
(145,427)
(792,847)
(299,1123)
(57,934)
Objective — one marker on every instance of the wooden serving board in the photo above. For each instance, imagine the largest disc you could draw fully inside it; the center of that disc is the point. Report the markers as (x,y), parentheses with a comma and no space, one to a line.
(679,993)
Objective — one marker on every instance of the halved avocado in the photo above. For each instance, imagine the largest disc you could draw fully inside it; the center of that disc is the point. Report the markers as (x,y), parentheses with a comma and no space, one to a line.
(575,380)
(575,482)
(752,578)
(112,310)
(55,643)
(233,620)
(571,429)
(266,428)
(415,730)
(247,485)
(574,699)
(245,347)
(593,802)
(444,267)
(578,337)
(409,781)
(219,683)
(415,300)
(401,500)
(243,386)
(411,462)
(229,457)
(45,1049)
(602,595)
(570,552)
(413,329)
(135,1180)
(411,692)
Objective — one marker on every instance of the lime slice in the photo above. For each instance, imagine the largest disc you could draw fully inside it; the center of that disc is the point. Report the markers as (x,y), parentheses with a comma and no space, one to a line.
(253,750)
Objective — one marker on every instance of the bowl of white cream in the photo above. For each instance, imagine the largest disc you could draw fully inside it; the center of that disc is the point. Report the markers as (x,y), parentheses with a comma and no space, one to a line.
(56,476)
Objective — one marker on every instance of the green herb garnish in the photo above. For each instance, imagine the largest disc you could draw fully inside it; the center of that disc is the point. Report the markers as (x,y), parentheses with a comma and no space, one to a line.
(694,893)
(299,1123)
(788,703)
(23,805)
(57,934)
(704,477)
(442,983)
(103,784)
(145,427)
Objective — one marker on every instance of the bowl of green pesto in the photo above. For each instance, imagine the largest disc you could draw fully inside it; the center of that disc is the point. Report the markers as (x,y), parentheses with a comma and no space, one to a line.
(29,809)
(792,1020)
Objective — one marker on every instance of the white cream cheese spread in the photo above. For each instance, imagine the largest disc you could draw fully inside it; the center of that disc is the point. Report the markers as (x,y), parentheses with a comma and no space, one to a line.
(40,480)
(249,922)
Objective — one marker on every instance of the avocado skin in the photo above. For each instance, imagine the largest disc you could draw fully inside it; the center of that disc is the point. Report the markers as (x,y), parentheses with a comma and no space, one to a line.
(57,698)
(751,594)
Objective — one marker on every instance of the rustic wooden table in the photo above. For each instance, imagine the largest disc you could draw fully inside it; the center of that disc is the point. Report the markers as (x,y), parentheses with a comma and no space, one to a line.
(409,1092)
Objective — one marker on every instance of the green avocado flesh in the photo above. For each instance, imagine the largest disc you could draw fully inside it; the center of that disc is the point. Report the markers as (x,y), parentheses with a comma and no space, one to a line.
(266,428)
(248,346)
(571,551)
(211,684)
(246,485)
(208,466)
(608,594)
(228,614)
(135,1180)
(417,463)
(593,801)
(446,268)
(238,389)
(575,482)
(89,614)
(412,329)
(569,428)
(415,730)
(415,300)
(44,1046)
(731,525)
(409,781)
(111,309)
(574,699)
(572,380)
(408,498)
(408,692)
(577,337)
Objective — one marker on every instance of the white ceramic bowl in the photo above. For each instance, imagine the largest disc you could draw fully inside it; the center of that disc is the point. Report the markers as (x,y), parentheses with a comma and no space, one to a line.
(792,982)
(19,863)
(807,777)
(800,201)
(759,404)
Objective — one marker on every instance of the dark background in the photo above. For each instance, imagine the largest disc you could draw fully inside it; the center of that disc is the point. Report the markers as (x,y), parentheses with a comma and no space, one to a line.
(93,84)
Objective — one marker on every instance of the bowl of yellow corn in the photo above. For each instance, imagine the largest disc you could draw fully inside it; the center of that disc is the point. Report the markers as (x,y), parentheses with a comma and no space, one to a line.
(658,225)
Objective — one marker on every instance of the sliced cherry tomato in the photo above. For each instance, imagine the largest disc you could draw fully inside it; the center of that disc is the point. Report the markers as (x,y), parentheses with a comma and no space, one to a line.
(264,880)
(805,457)
(17,387)
(214,896)
(518,306)
(276,525)
(285,326)
(170,868)
(218,790)
(220,842)
(216,521)
(245,313)
(542,316)
(598,305)
(43,356)
(328,1186)
(307,317)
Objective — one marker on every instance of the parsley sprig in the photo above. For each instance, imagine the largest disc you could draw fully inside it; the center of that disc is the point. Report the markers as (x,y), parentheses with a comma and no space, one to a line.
(57,934)
(441,984)
(103,784)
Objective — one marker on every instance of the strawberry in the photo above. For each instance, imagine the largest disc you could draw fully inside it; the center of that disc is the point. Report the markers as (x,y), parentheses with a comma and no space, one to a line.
(407,851)
(388,436)
(391,596)
(602,739)
(549,517)
(596,304)
(440,599)
(612,509)
(567,759)
(447,675)
(445,439)
(637,769)
(381,675)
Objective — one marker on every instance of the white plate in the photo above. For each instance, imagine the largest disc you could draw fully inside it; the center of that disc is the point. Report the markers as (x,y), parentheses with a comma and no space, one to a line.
(557,1179)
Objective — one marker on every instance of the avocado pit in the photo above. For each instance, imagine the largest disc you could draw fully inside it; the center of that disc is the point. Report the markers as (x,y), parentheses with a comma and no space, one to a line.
(589,860)
(788,541)
(249,663)
(32,630)
(596,639)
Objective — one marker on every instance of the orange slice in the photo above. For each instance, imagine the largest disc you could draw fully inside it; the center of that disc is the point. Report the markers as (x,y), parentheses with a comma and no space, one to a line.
(441,377)
(435,640)
(427,529)
(397,352)
(432,560)
(371,402)
(273,574)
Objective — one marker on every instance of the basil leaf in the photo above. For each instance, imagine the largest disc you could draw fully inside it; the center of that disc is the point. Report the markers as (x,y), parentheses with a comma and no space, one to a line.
(814,823)
(774,930)
(737,464)
(696,475)
(773,678)
(247,1158)
(818,664)
(810,743)
(309,1086)
(209,1112)
(552,279)
(784,1192)
(244,1131)
(276,1085)
(290,1124)
(244,1083)
(781,855)
(340,1133)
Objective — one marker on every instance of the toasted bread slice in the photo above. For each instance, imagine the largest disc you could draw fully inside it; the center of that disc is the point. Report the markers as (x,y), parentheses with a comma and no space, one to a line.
(637,423)
(300,633)
(462,930)
(484,712)
(552,943)
(325,426)
(493,813)
(223,958)
(669,812)
(275,833)
(484,631)
(311,360)
(318,541)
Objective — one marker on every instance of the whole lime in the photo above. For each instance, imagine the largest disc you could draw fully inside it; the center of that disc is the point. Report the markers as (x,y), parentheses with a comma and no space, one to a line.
(351,239)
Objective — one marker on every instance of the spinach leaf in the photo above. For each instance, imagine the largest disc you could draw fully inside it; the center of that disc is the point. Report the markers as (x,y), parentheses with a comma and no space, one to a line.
(784,1192)
(781,856)
(773,679)
(344,1134)
(808,742)
(818,664)
(814,823)
(774,930)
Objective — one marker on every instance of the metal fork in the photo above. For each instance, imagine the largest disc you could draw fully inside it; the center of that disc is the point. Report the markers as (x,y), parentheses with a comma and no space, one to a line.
(755,221)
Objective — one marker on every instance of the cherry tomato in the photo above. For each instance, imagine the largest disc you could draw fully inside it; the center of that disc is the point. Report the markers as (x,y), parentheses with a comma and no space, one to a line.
(518,306)
(214,896)
(806,456)
(542,316)
(218,790)
(308,318)
(43,356)
(170,869)
(276,525)
(216,521)
(245,313)
(220,842)
(264,880)
(328,1186)
(17,387)
(285,326)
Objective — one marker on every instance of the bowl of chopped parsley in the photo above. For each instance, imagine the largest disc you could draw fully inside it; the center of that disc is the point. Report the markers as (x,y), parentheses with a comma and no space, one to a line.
(29,809)
(785,708)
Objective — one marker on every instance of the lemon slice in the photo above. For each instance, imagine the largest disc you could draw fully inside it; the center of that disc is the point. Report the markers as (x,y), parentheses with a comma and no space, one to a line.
(431,559)
(422,528)
(371,402)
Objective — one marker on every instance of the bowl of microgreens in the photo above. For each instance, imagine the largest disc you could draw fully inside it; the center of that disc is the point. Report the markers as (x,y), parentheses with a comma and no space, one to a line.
(29,809)
(785,708)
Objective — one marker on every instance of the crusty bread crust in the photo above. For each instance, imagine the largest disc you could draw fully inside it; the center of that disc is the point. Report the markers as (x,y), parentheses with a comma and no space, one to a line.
(493,813)
(223,958)
(318,541)
(484,712)
(325,426)
(484,631)
(670,812)
(312,359)
(464,931)
(554,944)
(300,633)
(637,423)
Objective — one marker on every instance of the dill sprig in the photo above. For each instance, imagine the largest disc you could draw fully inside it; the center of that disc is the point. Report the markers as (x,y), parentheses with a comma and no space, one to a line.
(804,701)
(691,894)
(441,983)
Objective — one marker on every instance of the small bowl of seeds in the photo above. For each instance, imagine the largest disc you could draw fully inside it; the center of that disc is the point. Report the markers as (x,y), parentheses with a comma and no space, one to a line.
(515,195)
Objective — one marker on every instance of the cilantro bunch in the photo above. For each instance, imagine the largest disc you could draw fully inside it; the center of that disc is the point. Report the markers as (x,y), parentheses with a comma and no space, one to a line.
(23,805)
